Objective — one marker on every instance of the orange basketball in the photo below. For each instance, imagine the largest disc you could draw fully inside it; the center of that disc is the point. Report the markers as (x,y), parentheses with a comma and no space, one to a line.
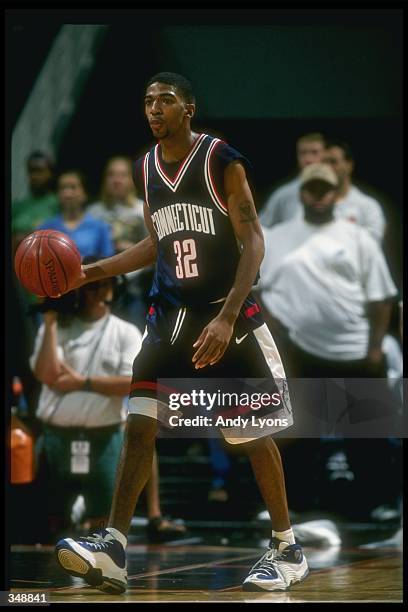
(47,262)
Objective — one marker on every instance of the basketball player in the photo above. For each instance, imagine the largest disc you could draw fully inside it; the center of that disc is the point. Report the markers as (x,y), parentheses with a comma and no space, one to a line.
(202,322)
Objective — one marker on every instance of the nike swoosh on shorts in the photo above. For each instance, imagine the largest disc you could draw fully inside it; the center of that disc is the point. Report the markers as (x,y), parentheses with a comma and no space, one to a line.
(239,340)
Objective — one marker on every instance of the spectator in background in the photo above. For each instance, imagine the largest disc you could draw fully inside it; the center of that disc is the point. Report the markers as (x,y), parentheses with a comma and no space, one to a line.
(119,206)
(92,236)
(123,211)
(42,203)
(326,291)
(326,282)
(284,202)
(351,203)
(26,216)
(83,357)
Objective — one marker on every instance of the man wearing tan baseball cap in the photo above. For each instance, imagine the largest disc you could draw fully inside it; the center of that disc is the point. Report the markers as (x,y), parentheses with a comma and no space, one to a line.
(318,193)
(318,172)
(326,281)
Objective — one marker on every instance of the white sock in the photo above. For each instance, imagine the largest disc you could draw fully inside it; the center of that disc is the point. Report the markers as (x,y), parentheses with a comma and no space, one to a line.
(285,536)
(118,535)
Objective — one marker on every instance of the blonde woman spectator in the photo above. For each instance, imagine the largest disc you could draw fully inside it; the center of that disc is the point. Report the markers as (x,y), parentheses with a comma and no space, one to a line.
(119,205)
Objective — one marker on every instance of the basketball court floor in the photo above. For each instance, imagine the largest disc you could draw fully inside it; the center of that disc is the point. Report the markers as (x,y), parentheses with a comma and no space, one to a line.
(364,568)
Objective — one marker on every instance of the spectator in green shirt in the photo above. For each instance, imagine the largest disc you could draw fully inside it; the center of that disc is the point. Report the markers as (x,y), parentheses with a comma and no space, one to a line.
(42,203)
(30,212)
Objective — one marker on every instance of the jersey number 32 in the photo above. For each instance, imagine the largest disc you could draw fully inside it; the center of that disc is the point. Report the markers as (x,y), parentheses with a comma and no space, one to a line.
(186,255)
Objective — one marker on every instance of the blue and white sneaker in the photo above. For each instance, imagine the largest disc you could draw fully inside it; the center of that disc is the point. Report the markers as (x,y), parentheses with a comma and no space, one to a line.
(282,565)
(99,559)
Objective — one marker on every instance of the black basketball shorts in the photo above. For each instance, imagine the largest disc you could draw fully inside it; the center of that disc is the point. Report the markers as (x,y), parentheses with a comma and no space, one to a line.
(167,352)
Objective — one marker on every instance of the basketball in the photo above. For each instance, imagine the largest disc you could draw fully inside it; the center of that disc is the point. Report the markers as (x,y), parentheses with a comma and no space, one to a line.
(47,262)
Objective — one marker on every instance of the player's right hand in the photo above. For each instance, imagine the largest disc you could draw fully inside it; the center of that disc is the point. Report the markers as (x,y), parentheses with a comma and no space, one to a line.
(212,342)
(81,280)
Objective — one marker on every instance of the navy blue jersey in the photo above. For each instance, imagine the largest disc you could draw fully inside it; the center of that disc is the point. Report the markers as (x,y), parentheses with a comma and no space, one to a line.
(198,253)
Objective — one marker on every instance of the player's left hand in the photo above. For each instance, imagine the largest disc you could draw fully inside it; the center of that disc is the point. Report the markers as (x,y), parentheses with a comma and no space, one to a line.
(212,343)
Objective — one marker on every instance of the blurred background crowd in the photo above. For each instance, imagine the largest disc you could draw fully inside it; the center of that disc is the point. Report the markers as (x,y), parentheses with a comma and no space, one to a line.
(327,184)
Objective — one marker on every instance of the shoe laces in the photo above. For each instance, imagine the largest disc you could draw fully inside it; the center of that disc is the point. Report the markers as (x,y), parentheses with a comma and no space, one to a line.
(266,563)
(98,541)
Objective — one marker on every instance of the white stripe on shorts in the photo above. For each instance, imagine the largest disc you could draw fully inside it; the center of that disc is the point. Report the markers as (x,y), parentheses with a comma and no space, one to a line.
(179,323)
(147,406)
(274,361)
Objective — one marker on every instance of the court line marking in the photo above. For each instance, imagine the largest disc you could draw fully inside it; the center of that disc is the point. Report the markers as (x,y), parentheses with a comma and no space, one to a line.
(184,568)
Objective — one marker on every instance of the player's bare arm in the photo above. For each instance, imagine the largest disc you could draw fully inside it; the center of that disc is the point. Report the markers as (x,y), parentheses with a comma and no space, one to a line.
(136,257)
(215,337)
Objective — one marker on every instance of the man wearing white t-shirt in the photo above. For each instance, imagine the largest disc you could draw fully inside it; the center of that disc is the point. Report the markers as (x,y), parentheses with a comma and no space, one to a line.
(351,203)
(84,357)
(326,286)
(284,202)
(325,282)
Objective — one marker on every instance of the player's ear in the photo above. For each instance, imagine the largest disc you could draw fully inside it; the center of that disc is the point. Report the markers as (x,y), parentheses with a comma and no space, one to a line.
(190,110)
